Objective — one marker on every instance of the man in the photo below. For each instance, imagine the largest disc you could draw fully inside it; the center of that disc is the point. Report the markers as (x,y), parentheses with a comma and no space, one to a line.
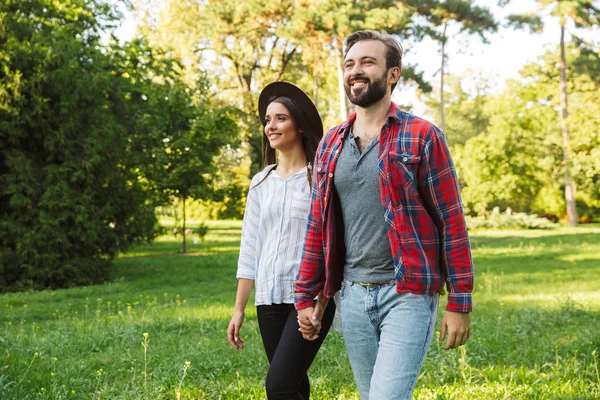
(386,218)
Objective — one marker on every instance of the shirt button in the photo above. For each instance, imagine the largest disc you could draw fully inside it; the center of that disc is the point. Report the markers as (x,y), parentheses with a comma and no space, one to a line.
(405,159)
(325,198)
(330,175)
(319,169)
(337,151)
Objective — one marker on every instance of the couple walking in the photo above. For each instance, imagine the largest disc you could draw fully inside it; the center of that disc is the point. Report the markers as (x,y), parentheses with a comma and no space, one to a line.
(370,210)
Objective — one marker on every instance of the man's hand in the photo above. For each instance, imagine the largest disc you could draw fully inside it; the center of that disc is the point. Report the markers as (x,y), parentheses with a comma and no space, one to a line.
(233,331)
(309,320)
(458,328)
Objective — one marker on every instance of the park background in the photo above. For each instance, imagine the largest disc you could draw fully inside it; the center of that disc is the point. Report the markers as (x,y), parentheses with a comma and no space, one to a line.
(128,136)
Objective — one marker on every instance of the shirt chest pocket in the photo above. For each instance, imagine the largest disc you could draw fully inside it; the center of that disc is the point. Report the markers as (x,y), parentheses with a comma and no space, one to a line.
(300,203)
(404,169)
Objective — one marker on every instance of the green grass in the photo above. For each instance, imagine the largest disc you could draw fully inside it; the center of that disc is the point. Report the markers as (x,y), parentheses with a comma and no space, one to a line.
(536,328)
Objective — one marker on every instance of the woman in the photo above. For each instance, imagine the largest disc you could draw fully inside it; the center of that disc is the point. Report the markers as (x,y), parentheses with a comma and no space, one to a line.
(273,236)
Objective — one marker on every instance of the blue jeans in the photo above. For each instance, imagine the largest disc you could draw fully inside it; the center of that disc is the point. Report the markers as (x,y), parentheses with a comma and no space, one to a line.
(387,335)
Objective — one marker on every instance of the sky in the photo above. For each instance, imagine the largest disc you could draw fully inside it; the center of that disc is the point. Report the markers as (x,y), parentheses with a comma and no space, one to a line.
(508,51)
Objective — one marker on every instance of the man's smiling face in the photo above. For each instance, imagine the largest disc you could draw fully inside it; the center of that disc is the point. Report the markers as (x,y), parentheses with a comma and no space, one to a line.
(365,73)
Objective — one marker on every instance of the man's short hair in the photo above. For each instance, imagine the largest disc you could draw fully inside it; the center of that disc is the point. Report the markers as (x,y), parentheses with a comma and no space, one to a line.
(393,48)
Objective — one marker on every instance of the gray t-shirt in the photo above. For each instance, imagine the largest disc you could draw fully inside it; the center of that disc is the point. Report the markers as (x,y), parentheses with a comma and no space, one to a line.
(356,179)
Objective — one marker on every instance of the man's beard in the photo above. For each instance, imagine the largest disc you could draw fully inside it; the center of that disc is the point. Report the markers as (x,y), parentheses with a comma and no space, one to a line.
(376,90)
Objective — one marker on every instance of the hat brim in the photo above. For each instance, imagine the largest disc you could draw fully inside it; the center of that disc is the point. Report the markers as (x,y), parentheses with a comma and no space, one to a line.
(286,89)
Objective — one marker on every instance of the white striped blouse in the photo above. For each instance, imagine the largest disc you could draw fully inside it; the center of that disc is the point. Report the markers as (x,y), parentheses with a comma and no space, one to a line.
(273,234)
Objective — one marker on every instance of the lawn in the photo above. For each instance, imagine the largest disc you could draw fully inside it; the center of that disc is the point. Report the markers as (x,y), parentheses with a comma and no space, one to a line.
(158,330)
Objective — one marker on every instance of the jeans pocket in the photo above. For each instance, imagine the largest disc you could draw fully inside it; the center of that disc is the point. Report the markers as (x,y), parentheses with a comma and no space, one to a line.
(342,293)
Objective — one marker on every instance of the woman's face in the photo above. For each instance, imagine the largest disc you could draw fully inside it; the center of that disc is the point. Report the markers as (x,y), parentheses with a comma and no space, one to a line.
(280,128)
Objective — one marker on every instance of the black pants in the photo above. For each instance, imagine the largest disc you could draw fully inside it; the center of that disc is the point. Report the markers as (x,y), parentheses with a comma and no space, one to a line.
(289,354)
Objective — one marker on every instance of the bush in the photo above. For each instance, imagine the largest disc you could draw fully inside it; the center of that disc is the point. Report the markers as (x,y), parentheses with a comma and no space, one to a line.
(509,221)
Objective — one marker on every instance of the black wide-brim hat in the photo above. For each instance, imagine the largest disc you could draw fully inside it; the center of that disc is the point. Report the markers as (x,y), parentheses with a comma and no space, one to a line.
(286,89)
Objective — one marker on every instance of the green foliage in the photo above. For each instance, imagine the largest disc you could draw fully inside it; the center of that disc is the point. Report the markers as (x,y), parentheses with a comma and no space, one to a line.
(247,44)
(534,328)
(499,167)
(83,155)
(516,160)
(584,14)
(68,197)
(465,113)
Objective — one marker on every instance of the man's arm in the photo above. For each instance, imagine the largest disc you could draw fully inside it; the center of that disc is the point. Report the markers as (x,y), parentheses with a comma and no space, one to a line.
(442,198)
(438,185)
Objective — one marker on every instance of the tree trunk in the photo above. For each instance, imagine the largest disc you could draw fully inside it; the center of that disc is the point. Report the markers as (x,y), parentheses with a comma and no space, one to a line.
(340,67)
(569,185)
(184,249)
(442,119)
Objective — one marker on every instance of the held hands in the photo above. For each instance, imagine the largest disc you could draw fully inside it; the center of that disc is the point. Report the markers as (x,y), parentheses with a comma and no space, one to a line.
(309,320)
(458,328)
(233,331)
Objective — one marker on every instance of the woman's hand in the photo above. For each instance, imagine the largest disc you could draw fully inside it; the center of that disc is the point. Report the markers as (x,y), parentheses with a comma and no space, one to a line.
(233,331)
(309,324)
(310,318)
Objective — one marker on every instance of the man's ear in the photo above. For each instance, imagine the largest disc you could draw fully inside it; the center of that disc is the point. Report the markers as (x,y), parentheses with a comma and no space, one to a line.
(394,75)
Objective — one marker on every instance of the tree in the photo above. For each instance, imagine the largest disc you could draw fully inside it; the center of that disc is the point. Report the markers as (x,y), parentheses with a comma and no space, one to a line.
(189,134)
(503,166)
(583,84)
(584,13)
(248,44)
(332,21)
(469,18)
(70,199)
(237,41)
(466,113)
(517,159)
(83,160)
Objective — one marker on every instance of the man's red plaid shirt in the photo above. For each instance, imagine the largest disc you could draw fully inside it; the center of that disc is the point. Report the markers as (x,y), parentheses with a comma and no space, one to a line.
(422,208)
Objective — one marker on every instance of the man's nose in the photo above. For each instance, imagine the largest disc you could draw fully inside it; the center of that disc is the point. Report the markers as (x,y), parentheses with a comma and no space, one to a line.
(356,70)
